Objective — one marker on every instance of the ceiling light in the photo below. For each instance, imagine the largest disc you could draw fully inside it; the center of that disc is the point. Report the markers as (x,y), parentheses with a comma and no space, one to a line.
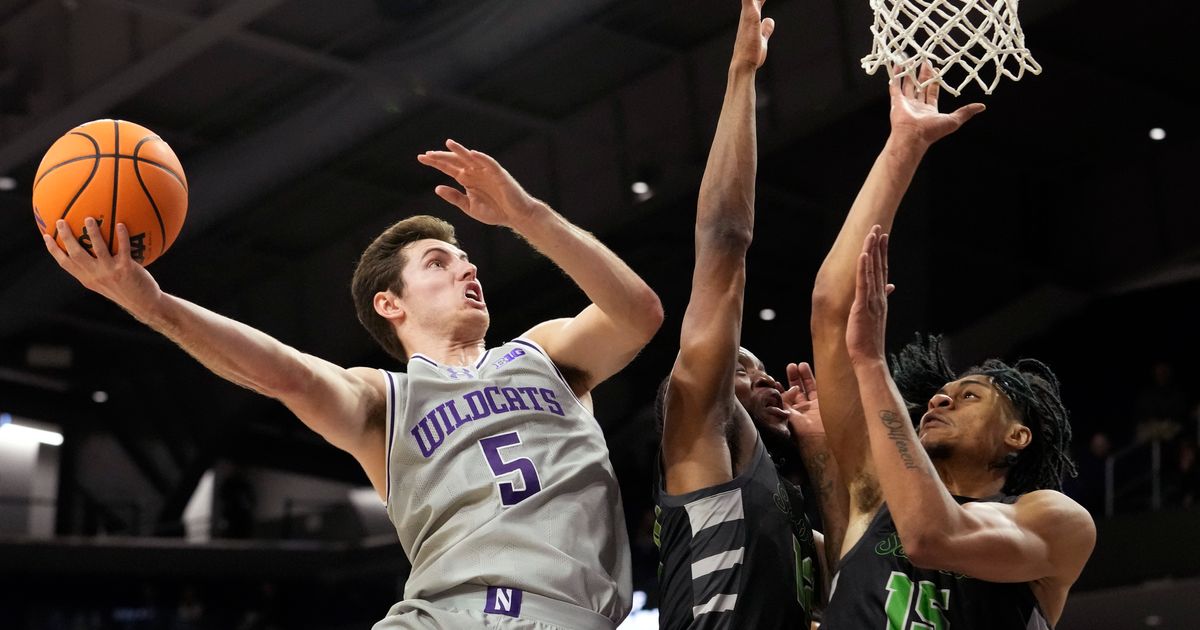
(767,314)
(100,396)
(1158,133)
(640,188)
(7,183)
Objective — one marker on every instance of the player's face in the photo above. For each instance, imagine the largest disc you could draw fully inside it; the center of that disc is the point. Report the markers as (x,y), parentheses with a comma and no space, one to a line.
(440,285)
(761,395)
(968,415)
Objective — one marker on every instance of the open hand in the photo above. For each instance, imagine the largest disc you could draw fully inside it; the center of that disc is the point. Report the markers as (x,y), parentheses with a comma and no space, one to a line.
(117,277)
(800,401)
(750,49)
(868,315)
(490,195)
(915,110)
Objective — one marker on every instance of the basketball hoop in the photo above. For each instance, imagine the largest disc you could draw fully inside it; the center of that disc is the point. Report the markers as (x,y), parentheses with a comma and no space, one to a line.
(969,35)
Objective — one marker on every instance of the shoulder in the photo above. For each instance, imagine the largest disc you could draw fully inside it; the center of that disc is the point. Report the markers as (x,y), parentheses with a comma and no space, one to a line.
(1053,506)
(542,338)
(372,384)
(1066,527)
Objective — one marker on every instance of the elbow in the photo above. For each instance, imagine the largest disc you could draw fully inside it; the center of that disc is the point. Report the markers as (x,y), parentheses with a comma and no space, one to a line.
(652,314)
(288,383)
(925,549)
(724,236)
(828,302)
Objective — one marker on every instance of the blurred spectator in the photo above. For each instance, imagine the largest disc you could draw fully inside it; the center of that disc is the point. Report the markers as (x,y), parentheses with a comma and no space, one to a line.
(189,615)
(1088,487)
(236,501)
(1161,406)
(1181,483)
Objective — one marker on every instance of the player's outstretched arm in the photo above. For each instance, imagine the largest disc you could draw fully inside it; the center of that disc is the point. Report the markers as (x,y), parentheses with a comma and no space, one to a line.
(1043,536)
(625,312)
(346,407)
(808,430)
(915,125)
(700,399)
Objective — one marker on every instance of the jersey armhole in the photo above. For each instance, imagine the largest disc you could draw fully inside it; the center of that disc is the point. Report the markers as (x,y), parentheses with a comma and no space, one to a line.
(390,433)
(529,343)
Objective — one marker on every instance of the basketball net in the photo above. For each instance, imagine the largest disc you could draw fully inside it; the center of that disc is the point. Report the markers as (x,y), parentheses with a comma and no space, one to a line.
(976,36)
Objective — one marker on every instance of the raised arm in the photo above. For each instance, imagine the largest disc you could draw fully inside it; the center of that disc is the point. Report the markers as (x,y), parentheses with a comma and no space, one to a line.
(624,313)
(700,398)
(1043,536)
(346,407)
(808,430)
(916,124)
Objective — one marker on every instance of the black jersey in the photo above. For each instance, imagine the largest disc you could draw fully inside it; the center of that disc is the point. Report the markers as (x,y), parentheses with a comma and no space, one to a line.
(736,555)
(877,587)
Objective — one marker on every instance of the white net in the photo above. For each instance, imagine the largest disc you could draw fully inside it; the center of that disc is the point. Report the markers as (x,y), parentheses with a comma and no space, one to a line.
(983,38)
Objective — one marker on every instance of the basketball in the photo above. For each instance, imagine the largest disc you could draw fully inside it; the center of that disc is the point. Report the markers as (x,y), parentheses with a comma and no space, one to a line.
(114,171)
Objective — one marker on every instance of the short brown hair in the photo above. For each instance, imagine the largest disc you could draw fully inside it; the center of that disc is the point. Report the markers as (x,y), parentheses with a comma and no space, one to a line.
(379,270)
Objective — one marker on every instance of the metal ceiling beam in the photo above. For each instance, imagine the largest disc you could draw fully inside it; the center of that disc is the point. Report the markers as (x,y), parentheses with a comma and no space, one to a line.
(132,79)
(324,61)
(230,176)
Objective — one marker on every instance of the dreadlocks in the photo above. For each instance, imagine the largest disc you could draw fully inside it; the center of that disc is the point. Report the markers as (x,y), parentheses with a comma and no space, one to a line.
(921,369)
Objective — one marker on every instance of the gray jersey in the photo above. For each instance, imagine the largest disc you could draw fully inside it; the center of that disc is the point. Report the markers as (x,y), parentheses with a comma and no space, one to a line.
(499,476)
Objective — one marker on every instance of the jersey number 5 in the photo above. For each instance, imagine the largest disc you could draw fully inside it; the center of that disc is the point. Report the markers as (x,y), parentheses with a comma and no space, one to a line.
(931,603)
(510,494)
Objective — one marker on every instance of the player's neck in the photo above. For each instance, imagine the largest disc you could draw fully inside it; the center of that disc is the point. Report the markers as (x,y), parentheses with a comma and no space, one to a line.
(970,479)
(445,350)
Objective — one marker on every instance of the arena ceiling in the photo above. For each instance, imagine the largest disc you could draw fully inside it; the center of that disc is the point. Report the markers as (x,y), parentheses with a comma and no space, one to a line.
(298,123)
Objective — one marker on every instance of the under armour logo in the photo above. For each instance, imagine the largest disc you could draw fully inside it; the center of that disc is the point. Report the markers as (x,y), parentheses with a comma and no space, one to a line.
(457,373)
(504,601)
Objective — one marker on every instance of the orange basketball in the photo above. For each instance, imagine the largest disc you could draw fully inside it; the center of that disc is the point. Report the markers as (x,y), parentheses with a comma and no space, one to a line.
(115,172)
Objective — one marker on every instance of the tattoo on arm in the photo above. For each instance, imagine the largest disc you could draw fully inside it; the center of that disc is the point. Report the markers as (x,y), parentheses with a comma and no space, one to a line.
(896,433)
(821,482)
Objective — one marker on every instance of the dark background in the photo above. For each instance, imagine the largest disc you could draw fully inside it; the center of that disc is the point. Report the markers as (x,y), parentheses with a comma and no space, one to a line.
(1050,226)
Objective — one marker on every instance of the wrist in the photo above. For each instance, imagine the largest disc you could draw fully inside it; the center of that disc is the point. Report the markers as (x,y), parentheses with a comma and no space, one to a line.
(533,218)
(906,145)
(742,69)
(868,363)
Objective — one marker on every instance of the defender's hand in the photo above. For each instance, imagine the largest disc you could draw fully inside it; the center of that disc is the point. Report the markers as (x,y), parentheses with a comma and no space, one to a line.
(490,195)
(804,413)
(868,315)
(915,111)
(750,48)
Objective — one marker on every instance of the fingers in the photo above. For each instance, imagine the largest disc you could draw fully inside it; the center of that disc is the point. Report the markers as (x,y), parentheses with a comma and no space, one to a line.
(879,268)
(861,280)
(123,248)
(99,246)
(454,196)
(768,27)
(446,162)
(934,89)
(883,258)
(793,396)
(967,112)
(806,380)
(69,240)
(459,149)
(59,255)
